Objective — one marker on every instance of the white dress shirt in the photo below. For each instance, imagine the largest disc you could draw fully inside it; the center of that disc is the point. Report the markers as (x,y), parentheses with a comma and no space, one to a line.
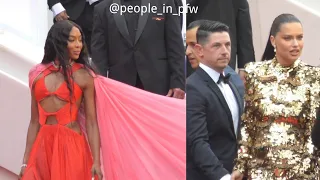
(58,8)
(228,96)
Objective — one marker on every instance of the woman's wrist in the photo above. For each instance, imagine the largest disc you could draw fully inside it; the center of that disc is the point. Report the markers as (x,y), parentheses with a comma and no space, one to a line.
(97,162)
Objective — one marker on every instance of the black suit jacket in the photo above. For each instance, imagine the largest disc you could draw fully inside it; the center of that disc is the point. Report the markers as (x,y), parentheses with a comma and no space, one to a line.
(235,14)
(73,8)
(179,5)
(157,54)
(211,140)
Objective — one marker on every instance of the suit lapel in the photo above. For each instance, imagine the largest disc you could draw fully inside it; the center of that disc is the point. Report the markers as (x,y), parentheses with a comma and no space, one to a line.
(214,87)
(142,21)
(121,23)
(239,102)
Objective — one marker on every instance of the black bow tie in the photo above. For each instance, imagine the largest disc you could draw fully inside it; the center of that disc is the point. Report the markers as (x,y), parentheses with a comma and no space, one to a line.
(223,78)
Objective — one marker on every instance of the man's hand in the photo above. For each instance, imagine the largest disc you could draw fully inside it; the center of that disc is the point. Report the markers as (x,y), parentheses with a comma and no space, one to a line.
(242,74)
(62,16)
(176,93)
(236,175)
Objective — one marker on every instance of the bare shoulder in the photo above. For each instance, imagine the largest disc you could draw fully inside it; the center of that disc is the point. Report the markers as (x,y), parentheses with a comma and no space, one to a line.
(35,73)
(83,78)
(35,81)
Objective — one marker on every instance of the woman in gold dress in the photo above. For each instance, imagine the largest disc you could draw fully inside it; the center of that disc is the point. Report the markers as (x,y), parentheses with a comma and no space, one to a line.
(281,102)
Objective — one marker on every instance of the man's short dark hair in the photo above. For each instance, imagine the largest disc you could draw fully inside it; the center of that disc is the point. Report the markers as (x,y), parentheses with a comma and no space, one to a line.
(207,27)
(196,23)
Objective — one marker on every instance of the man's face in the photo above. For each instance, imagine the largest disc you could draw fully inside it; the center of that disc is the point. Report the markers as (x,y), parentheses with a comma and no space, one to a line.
(191,40)
(216,51)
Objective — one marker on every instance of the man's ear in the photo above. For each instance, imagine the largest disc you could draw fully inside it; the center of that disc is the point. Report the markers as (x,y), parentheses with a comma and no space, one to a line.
(198,49)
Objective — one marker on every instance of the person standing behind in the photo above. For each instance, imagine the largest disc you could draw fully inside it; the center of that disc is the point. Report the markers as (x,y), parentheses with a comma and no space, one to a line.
(144,51)
(235,14)
(214,107)
(194,60)
(179,4)
(78,11)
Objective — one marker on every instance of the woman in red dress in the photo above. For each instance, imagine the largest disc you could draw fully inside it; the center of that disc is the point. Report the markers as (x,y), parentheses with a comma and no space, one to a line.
(56,147)
(142,135)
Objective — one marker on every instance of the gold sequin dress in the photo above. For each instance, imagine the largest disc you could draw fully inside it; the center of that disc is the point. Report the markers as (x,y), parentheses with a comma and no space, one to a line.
(280,110)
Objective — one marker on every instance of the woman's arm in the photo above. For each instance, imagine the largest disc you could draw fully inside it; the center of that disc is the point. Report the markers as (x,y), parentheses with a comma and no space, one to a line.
(246,138)
(315,132)
(91,118)
(315,135)
(33,129)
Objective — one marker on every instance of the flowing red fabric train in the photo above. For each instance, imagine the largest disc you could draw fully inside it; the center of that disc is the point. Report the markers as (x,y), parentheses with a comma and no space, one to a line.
(143,135)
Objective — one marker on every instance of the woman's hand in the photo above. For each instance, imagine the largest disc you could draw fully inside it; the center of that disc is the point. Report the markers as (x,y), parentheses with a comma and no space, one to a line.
(236,175)
(96,170)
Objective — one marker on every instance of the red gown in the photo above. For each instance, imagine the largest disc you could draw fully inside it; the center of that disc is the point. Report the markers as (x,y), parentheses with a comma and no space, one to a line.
(59,153)
(143,135)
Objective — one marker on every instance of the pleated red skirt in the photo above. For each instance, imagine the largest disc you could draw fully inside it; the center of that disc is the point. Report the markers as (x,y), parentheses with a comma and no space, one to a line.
(59,153)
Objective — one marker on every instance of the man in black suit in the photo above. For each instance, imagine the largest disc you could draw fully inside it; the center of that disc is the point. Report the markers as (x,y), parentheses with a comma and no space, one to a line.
(78,11)
(143,51)
(214,108)
(236,15)
(194,60)
(178,4)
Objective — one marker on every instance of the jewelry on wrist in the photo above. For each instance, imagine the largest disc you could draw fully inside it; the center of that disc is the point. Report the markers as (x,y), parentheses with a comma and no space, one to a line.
(23,165)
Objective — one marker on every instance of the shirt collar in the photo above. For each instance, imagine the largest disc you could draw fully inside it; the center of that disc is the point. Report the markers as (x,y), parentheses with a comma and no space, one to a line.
(211,72)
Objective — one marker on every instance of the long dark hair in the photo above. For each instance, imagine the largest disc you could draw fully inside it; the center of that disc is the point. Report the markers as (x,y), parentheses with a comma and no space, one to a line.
(275,28)
(56,48)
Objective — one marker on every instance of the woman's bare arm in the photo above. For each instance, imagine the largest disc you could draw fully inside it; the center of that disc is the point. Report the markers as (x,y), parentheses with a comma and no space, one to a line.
(91,117)
(33,129)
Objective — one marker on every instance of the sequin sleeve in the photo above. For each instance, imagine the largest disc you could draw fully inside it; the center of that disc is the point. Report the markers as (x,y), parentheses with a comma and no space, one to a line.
(315,104)
(316,129)
(246,130)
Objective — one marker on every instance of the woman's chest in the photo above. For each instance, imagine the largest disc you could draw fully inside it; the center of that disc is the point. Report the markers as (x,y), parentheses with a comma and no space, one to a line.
(282,96)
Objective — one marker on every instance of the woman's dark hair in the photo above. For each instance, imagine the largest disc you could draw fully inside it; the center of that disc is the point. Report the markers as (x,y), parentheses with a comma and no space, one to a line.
(56,48)
(275,28)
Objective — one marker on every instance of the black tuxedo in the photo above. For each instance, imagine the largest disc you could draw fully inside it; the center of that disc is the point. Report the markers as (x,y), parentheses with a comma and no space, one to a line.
(73,8)
(211,138)
(178,4)
(235,14)
(155,52)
